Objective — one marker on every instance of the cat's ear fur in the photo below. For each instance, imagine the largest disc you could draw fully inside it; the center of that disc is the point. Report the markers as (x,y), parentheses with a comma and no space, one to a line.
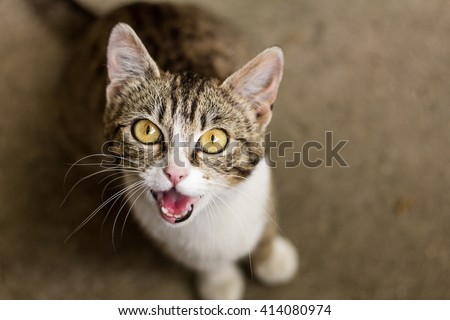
(258,82)
(127,56)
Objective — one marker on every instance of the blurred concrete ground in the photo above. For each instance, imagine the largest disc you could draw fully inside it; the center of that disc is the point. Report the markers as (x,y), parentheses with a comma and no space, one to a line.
(376,73)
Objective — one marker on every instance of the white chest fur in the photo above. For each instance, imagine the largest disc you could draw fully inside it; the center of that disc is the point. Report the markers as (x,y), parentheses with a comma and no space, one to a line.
(225,230)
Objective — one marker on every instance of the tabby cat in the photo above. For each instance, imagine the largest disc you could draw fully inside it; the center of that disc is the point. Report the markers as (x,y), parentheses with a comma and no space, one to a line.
(188,128)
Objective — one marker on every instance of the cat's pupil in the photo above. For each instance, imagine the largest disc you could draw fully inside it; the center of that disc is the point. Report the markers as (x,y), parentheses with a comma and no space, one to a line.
(147,130)
(213,138)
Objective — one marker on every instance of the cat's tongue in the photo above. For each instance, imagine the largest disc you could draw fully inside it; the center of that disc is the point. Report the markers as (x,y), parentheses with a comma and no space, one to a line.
(175,207)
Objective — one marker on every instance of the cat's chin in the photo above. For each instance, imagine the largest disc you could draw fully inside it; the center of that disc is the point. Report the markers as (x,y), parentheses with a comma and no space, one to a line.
(174,206)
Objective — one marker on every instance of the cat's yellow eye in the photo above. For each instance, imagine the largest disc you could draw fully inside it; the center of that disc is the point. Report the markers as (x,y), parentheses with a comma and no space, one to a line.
(146,131)
(213,141)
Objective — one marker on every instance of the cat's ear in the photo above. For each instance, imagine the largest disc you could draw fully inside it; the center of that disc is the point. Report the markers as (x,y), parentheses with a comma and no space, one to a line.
(258,82)
(127,55)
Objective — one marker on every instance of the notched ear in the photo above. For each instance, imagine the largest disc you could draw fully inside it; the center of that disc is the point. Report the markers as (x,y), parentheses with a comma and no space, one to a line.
(258,82)
(127,55)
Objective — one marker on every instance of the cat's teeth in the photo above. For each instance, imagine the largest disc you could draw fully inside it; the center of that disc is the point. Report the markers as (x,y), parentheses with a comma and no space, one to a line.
(164,210)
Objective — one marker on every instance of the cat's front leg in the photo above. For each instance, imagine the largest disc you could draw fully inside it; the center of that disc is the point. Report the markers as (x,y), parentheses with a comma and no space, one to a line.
(275,259)
(223,283)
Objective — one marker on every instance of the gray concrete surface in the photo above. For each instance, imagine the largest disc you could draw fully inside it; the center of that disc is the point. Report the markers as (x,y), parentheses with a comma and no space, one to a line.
(375,73)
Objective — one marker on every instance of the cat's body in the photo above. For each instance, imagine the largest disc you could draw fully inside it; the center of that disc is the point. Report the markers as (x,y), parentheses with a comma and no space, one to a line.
(205,216)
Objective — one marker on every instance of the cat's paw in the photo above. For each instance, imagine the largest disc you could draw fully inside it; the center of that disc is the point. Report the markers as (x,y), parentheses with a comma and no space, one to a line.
(226,283)
(281,265)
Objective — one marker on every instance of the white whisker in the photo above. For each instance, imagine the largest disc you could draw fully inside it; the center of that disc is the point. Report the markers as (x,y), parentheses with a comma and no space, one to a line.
(112,206)
(115,179)
(251,181)
(77,163)
(81,180)
(129,210)
(251,199)
(131,193)
(118,194)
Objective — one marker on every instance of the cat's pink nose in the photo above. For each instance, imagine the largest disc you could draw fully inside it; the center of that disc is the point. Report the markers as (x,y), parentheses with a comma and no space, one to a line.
(175,174)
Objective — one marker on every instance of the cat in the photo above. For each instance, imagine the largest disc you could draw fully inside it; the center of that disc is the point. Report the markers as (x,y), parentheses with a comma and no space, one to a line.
(187,125)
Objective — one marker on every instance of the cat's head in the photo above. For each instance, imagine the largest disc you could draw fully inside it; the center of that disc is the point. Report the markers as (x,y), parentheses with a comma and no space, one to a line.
(190,138)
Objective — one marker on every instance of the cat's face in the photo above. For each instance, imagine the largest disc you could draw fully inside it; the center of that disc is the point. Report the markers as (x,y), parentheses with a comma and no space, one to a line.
(191,138)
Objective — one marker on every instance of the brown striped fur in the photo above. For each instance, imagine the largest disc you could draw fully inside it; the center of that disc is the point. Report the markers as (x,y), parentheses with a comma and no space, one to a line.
(180,38)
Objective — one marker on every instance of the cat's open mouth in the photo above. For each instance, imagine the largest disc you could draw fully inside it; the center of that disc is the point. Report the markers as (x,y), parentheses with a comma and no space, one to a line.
(174,206)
